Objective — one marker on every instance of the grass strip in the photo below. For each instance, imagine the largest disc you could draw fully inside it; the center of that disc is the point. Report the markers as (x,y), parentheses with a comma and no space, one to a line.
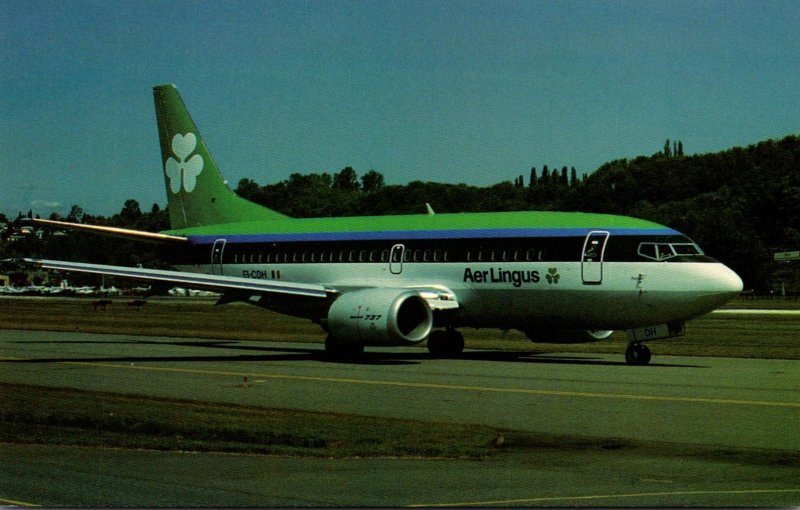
(63,416)
(68,417)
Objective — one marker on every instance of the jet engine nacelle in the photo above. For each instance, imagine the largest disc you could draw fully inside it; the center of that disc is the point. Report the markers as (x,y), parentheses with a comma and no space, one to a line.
(566,336)
(380,317)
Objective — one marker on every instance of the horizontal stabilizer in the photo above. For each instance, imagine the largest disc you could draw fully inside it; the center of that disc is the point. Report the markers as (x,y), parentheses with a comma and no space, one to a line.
(134,235)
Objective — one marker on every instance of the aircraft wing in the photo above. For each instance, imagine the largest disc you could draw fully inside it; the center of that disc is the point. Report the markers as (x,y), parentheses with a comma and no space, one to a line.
(437,297)
(216,283)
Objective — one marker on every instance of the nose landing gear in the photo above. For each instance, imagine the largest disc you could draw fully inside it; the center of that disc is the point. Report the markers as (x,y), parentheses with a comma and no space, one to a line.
(637,354)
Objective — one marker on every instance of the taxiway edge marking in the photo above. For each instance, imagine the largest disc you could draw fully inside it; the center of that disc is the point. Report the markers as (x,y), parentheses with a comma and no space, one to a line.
(591,497)
(14,502)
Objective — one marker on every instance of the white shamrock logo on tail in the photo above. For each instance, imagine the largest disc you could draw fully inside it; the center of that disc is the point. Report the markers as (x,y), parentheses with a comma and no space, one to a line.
(183,173)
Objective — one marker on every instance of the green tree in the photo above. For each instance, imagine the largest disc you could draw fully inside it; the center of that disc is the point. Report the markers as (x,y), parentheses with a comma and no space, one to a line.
(346,180)
(75,214)
(131,213)
(371,181)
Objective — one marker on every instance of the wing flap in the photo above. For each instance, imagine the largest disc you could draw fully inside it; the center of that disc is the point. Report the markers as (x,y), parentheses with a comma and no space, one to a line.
(194,280)
(438,298)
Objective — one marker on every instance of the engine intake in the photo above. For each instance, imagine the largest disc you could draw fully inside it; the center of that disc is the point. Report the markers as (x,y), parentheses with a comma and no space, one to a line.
(380,317)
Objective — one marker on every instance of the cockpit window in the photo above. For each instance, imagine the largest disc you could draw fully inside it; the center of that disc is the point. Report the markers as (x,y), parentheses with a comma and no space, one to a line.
(687,249)
(665,251)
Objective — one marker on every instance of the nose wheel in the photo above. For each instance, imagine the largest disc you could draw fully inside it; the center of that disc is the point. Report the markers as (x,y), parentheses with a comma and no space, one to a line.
(637,354)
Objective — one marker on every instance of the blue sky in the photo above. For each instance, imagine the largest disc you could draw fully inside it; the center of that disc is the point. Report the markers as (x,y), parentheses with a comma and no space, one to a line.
(448,91)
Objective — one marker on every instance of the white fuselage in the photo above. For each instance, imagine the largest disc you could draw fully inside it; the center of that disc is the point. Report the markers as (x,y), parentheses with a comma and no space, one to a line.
(574,295)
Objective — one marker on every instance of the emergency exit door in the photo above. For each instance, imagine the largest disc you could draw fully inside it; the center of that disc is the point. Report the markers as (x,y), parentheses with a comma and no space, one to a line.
(396,258)
(216,256)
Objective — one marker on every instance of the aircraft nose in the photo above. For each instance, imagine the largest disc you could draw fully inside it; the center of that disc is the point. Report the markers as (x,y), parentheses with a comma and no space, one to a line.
(725,281)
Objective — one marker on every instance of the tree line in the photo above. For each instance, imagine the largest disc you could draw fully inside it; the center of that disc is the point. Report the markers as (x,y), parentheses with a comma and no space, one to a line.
(740,205)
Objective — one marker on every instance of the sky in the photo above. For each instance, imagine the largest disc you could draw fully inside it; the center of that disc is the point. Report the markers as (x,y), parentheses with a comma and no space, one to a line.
(449,91)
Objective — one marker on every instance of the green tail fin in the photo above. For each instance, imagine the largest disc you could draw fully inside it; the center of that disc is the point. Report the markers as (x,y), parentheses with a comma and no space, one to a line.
(197,193)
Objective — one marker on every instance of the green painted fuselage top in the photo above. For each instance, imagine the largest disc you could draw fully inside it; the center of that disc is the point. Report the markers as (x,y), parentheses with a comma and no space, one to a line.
(393,226)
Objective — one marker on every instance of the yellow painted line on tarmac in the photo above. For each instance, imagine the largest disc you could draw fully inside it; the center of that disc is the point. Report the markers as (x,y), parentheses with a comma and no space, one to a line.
(14,502)
(594,497)
(457,387)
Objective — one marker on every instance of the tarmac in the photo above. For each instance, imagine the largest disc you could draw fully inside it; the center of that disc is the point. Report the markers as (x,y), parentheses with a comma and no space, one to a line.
(716,431)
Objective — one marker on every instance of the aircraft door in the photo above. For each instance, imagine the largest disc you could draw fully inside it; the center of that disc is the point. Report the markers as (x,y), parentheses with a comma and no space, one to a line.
(594,248)
(396,258)
(216,256)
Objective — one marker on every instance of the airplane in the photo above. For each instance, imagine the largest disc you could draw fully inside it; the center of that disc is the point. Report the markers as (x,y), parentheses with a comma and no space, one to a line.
(560,277)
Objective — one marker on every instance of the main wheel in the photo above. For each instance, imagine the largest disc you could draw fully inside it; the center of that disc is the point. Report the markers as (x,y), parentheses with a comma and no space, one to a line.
(339,350)
(445,344)
(437,343)
(455,342)
(637,354)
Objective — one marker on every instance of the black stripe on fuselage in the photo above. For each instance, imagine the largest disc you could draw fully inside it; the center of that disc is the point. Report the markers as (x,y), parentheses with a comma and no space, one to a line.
(528,249)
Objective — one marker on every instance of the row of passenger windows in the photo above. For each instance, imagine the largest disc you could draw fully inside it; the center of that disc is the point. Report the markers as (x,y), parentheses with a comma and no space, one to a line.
(671,248)
(417,255)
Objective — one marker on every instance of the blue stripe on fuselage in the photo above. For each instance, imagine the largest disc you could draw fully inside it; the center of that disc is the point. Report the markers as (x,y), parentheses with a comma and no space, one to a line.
(402,235)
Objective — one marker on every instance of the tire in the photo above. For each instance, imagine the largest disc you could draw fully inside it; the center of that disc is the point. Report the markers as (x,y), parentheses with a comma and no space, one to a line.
(637,354)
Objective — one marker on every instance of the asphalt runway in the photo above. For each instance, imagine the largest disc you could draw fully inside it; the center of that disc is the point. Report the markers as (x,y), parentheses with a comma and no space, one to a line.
(719,430)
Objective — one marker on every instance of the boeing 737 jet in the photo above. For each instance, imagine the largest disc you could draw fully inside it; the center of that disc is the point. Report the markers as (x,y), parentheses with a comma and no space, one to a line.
(402,280)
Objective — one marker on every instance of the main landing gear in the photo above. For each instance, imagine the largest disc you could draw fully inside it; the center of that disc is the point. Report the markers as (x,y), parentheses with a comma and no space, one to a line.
(336,349)
(637,354)
(447,343)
